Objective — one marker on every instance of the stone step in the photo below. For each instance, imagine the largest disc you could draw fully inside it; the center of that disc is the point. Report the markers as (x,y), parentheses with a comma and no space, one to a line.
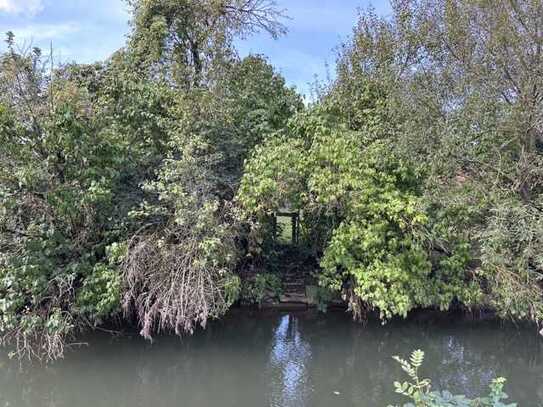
(294,288)
(297,275)
(294,298)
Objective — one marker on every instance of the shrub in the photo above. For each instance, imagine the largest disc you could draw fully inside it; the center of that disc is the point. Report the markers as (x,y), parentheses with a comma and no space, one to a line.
(263,286)
(419,391)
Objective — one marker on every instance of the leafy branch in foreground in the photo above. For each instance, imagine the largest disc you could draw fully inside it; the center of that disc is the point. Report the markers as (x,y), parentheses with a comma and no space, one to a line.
(419,391)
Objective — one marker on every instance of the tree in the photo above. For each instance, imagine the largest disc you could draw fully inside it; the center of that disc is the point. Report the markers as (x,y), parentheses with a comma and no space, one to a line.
(191,41)
(58,174)
(461,84)
(180,267)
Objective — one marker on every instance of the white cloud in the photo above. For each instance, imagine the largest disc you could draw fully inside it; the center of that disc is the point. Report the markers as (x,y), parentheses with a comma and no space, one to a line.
(29,7)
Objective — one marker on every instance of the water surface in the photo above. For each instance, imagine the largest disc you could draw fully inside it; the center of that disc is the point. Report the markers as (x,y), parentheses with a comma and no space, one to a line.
(280,360)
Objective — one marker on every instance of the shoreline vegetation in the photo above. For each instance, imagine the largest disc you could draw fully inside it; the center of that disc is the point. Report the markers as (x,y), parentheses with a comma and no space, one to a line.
(420,392)
(177,179)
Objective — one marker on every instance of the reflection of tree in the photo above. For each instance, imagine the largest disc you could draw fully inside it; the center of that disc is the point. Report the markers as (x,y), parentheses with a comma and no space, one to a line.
(277,360)
(290,355)
(460,356)
(225,362)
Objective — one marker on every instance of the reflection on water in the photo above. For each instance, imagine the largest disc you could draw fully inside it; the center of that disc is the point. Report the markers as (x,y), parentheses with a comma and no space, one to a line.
(289,358)
(280,360)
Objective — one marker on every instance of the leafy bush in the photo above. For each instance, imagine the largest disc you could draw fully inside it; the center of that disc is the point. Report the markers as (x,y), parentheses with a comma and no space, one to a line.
(100,294)
(363,210)
(470,122)
(263,286)
(419,391)
(320,296)
(59,177)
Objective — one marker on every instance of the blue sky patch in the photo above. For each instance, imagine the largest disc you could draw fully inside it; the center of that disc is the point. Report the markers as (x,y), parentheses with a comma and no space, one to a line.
(86,31)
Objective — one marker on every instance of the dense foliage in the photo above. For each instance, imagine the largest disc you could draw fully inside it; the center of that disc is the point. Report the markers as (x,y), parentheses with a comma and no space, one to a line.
(462,86)
(60,172)
(362,211)
(116,178)
(144,189)
(419,178)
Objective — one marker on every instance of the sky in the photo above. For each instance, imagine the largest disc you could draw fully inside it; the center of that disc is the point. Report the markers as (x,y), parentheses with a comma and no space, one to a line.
(91,30)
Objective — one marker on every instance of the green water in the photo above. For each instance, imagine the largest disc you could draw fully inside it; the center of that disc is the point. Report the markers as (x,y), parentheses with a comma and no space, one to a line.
(290,360)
